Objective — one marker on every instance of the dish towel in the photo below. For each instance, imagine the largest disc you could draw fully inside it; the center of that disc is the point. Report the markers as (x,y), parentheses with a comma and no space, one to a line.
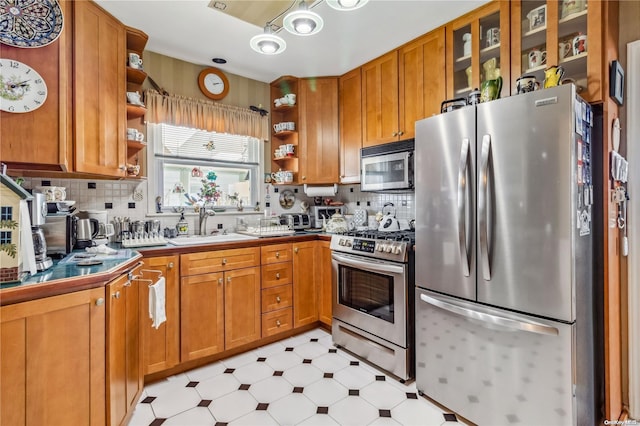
(157,311)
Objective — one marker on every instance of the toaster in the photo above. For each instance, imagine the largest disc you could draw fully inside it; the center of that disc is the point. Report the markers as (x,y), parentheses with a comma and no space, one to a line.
(296,221)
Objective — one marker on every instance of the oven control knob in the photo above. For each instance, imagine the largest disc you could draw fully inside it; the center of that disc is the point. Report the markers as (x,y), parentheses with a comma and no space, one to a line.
(397,250)
(347,243)
(341,242)
(388,248)
(380,247)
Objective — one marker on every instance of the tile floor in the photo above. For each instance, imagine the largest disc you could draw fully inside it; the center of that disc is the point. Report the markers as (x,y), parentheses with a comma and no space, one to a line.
(303,380)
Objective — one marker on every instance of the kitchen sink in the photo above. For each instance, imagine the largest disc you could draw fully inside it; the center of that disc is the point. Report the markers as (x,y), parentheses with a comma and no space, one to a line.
(209,239)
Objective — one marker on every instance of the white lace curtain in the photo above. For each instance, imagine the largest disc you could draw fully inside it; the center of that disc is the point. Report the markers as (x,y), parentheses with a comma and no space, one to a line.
(205,115)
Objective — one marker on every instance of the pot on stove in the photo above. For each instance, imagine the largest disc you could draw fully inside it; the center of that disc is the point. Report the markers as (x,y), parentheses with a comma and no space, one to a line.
(389,223)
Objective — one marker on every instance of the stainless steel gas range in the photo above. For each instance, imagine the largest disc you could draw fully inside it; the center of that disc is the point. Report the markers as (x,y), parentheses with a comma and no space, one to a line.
(373,298)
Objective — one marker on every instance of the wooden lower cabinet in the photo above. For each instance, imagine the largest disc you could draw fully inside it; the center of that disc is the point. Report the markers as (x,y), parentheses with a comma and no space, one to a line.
(201,315)
(277,321)
(52,360)
(241,306)
(124,378)
(324,277)
(305,307)
(161,346)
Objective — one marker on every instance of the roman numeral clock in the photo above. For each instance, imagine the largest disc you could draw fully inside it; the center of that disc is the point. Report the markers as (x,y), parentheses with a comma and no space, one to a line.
(22,89)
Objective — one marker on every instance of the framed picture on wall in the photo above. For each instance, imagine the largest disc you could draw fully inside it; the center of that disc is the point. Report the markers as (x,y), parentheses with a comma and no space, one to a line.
(616,82)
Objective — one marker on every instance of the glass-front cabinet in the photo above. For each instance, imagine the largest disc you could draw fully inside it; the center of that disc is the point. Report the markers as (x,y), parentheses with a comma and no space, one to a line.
(558,33)
(478,50)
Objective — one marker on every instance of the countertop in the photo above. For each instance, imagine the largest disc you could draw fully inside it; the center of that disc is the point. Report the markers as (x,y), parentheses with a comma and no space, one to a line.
(66,276)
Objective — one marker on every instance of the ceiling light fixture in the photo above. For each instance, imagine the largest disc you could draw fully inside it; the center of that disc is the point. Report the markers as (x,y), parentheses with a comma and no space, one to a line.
(346,4)
(268,43)
(303,22)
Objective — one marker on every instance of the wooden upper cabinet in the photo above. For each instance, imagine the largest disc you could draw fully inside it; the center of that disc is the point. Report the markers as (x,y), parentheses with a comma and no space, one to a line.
(552,27)
(318,130)
(99,68)
(478,49)
(41,139)
(421,85)
(380,100)
(350,109)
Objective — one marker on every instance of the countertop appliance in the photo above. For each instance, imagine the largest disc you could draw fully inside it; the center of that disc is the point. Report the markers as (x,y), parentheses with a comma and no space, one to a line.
(38,211)
(372,279)
(387,167)
(296,221)
(504,283)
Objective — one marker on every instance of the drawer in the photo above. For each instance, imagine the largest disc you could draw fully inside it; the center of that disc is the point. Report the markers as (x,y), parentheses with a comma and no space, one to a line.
(277,321)
(275,253)
(275,298)
(277,274)
(219,260)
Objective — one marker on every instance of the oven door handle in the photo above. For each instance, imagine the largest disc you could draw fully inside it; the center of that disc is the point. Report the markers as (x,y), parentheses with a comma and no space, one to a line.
(373,266)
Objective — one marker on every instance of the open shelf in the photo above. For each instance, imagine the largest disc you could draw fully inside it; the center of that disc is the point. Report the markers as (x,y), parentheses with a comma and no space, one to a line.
(136,39)
(135,111)
(135,145)
(136,76)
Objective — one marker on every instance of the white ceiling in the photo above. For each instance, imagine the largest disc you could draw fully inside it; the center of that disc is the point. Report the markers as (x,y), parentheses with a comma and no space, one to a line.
(191,31)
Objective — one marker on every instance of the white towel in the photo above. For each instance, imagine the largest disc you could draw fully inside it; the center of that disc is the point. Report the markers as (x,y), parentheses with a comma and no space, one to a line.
(157,311)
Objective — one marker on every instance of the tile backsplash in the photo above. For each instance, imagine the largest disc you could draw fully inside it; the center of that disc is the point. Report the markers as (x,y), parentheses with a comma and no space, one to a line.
(131,199)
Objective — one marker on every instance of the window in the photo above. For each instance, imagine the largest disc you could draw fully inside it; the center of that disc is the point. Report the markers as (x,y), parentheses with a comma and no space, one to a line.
(191,165)
(6,213)
(5,237)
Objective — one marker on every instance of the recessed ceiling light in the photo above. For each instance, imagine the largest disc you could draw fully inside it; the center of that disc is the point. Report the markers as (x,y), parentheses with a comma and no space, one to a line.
(219,60)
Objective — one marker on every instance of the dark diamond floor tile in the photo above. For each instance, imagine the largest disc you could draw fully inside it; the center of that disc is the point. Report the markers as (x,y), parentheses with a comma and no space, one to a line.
(229,370)
(322,410)
(192,384)
(262,406)
(288,350)
(298,389)
(333,351)
(354,363)
(306,361)
(328,375)
(313,340)
(380,378)
(205,403)
(148,400)
(244,387)
(354,392)
(411,395)
(278,373)
(221,424)
(261,359)
(450,417)
(384,413)
(157,422)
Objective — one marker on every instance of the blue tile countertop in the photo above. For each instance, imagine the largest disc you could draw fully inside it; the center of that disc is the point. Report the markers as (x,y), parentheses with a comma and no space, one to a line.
(66,276)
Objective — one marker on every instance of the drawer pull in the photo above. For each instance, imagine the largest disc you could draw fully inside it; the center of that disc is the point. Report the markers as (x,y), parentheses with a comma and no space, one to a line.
(99,302)
(277,255)
(278,323)
(277,275)
(117,295)
(224,261)
(295,250)
(278,299)
(170,265)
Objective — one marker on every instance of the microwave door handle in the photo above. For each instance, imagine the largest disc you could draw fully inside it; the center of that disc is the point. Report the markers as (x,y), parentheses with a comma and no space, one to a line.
(483,207)
(491,319)
(463,220)
(383,268)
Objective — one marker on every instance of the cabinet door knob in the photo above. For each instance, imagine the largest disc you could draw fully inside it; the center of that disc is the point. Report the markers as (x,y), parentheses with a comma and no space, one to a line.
(229,279)
(278,299)
(121,167)
(219,281)
(278,323)
(277,275)
(117,295)
(400,133)
(304,178)
(170,265)
(295,250)
(224,261)
(127,284)
(99,302)
(277,255)
(394,134)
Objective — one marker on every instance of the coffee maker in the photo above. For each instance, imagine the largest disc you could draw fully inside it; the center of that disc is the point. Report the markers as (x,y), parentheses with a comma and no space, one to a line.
(38,209)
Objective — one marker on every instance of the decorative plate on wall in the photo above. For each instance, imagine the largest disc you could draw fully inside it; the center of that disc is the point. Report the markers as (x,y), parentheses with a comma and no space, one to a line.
(287,199)
(30,23)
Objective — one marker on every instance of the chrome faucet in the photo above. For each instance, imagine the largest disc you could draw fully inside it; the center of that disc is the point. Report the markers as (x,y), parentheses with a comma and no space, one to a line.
(203,215)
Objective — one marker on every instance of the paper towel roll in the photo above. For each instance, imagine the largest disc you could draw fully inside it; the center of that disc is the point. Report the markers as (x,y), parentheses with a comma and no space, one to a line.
(321,191)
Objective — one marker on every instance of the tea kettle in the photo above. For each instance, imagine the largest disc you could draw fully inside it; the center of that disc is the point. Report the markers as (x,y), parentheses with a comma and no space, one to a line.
(389,223)
(336,225)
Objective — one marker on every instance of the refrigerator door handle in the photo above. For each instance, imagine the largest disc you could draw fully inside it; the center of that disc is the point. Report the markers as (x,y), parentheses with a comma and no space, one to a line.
(492,319)
(463,188)
(483,207)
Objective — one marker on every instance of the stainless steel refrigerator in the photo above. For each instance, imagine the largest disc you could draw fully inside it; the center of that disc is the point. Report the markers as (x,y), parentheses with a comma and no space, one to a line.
(504,305)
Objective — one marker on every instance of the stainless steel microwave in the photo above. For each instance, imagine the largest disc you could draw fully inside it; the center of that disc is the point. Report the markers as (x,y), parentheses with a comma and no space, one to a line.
(387,167)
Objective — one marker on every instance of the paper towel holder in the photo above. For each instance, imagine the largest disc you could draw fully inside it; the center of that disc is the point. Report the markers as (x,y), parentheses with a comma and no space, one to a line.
(321,191)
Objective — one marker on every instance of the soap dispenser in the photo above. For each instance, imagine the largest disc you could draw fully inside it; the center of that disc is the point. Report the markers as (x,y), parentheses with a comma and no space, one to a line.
(182,226)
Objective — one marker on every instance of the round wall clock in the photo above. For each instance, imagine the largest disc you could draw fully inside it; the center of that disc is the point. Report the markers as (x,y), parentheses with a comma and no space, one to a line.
(33,23)
(22,89)
(213,83)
